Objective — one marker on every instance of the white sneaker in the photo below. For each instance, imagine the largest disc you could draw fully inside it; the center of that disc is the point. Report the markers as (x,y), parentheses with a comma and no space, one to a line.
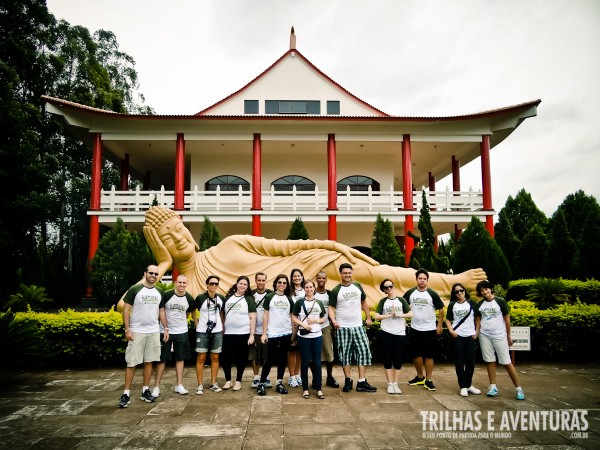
(227,385)
(292,382)
(474,390)
(298,380)
(237,386)
(200,390)
(396,389)
(215,388)
(268,384)
(464,392)
(156,392)
(180,389)
(390,389)
(255,382)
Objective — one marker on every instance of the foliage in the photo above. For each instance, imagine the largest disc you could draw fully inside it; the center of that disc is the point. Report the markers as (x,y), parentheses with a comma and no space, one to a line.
(558,260)
(209,236)
(505,237)
(23,342)
(499,291)
(576,208)
(547,292)
(584,291)
(476,248)
(27,297)
(586,262)
(423,254)
(529,259)
(165,286)
(120,261)
(298,230)
(446,249)
(384,247)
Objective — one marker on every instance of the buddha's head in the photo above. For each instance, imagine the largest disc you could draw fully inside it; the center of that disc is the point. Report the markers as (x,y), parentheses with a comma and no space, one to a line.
(172,233)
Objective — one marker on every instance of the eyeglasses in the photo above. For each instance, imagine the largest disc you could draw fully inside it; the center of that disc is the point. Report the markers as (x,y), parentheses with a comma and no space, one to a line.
(388,286)
(459,291)
(153,273)
(281,282)
(214,283)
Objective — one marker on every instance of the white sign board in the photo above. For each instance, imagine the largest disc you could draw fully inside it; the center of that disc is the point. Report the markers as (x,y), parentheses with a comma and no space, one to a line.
(521,337)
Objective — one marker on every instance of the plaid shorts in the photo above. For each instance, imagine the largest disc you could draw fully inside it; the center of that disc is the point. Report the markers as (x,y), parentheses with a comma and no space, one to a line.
(353,346)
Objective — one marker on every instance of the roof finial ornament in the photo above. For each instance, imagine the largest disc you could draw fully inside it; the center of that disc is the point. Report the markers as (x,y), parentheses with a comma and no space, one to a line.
(292,40)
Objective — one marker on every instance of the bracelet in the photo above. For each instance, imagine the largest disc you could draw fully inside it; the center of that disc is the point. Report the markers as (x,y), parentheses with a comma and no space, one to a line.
(127,330)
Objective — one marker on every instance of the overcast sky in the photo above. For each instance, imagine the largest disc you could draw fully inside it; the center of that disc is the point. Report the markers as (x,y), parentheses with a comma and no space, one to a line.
(407,58)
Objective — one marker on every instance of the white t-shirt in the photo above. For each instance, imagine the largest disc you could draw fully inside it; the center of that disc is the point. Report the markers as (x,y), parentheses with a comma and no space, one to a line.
(176,308)
(457,312)
(145,306)
(314,312)
(237,314)
(423,307)
(209,309)
(280,322)
(492,317)
(393,325)
(259,300)
(348,305)
(324,297)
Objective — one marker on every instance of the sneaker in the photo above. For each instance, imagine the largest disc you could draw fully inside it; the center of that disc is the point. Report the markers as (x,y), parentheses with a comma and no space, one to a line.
(147,396)
(474,390)
(292,382)
(520,394)
(156,392)
(298,380)
(464,392)
(416,380)
(493,392)
(429,385)
(237,386)
(180,389)
(124,401)
(200,390)
(332,383)
(215,388)
(397,389)
(255,383)
(268,384)
(364,386)
(260,389)
(390,388)
(227,385)
(347,385)
(280,388)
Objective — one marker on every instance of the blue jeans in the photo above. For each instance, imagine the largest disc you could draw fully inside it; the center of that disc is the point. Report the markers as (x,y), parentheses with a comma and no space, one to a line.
(310,350)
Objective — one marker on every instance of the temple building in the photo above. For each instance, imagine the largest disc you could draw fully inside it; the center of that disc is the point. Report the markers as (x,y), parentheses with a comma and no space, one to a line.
(292,143)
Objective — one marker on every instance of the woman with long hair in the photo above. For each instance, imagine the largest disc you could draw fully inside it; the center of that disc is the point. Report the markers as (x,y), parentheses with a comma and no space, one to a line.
(297,292)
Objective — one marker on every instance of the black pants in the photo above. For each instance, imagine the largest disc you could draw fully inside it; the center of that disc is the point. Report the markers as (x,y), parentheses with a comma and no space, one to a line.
(235,351)
(277,354)
(464,359)
(392,349)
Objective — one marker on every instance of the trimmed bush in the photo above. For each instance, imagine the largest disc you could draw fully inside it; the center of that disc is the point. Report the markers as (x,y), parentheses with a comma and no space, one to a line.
(586,291)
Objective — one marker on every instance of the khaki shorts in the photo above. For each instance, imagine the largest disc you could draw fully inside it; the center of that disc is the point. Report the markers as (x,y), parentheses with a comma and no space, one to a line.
(144,348)
(327,345)
(492,346)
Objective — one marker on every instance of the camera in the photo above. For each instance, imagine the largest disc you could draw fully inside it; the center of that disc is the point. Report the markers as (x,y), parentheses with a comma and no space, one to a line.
(210,325)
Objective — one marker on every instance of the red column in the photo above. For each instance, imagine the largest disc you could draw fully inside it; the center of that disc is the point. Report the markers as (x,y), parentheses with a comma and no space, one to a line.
(407,197)
(95,204)
(179,172)
(256,184)
(456,188)
(486,181)
(433,208)
(125,172)
(332,187)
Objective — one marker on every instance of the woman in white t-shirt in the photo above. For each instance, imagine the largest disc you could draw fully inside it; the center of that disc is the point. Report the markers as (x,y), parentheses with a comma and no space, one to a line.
(297,291)
(392,311)
(308,315)
(239,325)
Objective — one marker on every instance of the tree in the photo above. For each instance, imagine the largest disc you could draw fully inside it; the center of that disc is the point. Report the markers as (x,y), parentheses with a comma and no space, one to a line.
(423,254)
(384,247)
(476,248)
(586,263)
(576,207)
(120,261)
(209,236)
(298,230)
(547,292)
(505,237)
(558,261)
(522,214)
(529,260)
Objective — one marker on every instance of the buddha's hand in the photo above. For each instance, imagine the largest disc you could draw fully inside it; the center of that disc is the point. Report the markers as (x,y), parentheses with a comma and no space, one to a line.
(353,255)
(164,258)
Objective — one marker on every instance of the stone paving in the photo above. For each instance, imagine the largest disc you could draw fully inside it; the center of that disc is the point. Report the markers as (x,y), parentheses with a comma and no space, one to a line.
(78,409)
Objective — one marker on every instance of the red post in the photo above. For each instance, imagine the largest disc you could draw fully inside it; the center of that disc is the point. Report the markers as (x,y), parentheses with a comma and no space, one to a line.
(256,184)
(332,186)
(332,228)
(180,172)
(407,196)
(94,205)
(486,180)
(256,225)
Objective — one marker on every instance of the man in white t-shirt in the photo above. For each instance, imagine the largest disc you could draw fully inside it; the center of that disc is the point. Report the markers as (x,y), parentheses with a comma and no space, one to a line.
(424,328)
(347,301)
(258,353)
(143,308)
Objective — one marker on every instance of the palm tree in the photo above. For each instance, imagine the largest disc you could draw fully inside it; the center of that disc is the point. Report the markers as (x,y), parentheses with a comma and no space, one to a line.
(547,292)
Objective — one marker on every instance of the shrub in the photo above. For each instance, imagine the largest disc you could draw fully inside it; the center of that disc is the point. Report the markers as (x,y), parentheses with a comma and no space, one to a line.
(27,297)
(547,292)
(23,342)
(585,291)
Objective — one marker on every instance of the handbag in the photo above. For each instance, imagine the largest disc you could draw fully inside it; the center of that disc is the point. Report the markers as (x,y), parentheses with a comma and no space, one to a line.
(303,331)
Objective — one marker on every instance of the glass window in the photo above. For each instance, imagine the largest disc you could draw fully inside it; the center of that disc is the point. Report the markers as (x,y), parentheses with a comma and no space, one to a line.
(227,183)
(358,183)
(292,107)
(250,106)
(288,182)
(333,107)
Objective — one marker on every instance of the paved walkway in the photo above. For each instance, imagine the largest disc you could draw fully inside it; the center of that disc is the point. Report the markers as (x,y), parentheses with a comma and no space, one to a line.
(77,409)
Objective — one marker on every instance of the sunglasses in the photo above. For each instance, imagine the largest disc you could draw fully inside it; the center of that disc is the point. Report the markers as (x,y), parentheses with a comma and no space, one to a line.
(281,282)
(153,273)
(459,291)
(389,286)
(214,283)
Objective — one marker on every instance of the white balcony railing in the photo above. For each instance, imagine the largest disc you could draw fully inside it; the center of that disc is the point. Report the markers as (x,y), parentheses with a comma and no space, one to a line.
(290,201)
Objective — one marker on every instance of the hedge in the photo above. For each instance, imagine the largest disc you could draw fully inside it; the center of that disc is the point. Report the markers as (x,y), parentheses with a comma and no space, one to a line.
(567,332)
(584,291)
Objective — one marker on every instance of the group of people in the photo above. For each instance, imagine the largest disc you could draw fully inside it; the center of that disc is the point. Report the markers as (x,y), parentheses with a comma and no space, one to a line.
(295,324)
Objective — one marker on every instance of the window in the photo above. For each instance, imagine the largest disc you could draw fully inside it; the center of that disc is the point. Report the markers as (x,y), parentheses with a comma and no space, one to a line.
(292,107)
(358,183)
(227,183)
(333,107)
(288,182)
(250,106)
